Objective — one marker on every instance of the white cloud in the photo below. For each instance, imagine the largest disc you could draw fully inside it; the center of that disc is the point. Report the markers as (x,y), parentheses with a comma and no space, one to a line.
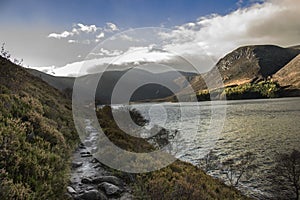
(275,22)
(64,34)
(85,34)
(100,35)
(110,27)
(105,52)
(75,31)
(72,41)
(211,37)
(87,28)
(132,55)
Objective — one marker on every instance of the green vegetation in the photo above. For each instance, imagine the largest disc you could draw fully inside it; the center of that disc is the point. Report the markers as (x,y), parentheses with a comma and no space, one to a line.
(287,175)
(37,136)
(262,89)
(180,180)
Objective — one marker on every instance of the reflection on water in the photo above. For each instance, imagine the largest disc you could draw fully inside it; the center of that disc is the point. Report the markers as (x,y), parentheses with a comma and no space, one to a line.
(263,127)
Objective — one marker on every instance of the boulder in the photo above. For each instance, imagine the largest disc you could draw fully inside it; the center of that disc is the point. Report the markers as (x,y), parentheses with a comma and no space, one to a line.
(109,179)
(93,195)
(110,189)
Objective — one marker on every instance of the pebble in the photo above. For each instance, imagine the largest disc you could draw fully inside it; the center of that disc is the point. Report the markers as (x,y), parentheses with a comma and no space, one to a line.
(76,164)
(71,190)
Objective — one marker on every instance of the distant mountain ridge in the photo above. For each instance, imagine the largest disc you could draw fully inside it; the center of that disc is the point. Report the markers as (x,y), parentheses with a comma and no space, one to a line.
(247,64)
(109,80)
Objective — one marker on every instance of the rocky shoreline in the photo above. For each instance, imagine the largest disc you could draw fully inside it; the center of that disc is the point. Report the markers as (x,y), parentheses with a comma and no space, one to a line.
(91,180)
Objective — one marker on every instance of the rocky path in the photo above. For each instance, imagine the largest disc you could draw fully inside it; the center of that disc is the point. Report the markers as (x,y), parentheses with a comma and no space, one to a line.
(89,178)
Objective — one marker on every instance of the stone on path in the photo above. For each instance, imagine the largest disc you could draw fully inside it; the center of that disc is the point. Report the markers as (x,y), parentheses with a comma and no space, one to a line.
(71,190)
(93,195)
(110,189)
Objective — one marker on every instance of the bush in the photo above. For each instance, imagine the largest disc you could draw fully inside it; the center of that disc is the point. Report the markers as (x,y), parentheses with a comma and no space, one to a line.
(262,89)
(36,141)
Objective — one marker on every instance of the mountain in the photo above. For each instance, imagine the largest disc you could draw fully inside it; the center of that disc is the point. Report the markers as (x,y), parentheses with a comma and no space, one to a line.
(247,73)
(246,64)
(37,136)
(289,77)
(109,80)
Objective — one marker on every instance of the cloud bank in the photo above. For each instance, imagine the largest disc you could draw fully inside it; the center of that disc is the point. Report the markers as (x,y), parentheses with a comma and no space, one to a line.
(271,22)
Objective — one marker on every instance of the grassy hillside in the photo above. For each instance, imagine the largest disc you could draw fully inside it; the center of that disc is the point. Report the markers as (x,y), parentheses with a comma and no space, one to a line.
(247,64)
(180,180)
(37,136)
(289,77)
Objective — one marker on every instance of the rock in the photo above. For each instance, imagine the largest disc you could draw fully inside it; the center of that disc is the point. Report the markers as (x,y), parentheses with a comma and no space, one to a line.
(94,160)
(88,143)
(85,152)
(110,189)
(109,179)
(71,190)
(86,180)
(93,195)
(86,155)
(94,150)
(76,164)
(90,188)
(97,166)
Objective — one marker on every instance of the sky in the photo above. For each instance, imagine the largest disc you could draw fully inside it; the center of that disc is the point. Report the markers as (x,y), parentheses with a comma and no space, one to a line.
(57,36)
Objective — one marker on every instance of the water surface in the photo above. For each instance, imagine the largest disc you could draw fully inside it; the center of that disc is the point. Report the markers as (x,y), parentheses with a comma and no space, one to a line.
(262,127)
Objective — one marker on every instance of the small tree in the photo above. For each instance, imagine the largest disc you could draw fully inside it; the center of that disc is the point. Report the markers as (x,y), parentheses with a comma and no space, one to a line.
(5,54)
(287,172)
(235,169)
(209,162)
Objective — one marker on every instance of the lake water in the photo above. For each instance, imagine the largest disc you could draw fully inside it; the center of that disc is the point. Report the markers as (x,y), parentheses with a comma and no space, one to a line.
(229,129)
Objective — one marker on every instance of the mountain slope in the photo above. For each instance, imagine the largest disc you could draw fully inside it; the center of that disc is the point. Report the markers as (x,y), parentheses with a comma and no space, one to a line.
(109,80)
(37,136)
(60,83)
(247,64)
(289,76)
